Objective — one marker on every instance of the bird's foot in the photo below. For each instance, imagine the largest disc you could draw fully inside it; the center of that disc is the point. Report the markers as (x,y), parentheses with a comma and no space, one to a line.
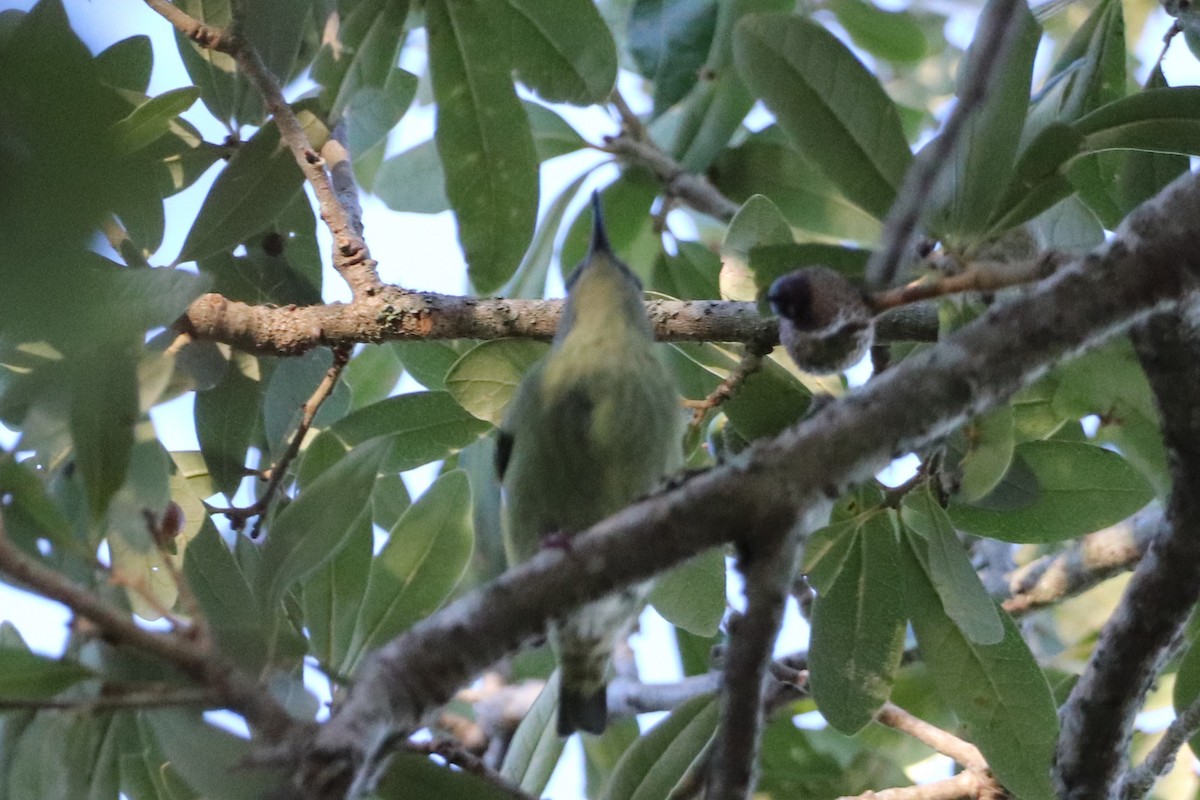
(557,541)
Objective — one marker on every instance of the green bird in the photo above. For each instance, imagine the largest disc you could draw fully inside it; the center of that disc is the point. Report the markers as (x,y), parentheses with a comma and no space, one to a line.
(594,425)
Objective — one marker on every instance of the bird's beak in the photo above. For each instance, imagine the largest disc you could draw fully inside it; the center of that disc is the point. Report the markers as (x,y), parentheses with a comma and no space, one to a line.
(600,244)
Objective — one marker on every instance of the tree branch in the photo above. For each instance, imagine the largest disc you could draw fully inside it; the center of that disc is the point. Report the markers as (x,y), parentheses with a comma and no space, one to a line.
(1097,719)
(146,698)
(1152,263)
(768,566)
(1085,563)
(964,786)
(308,412)
(189,654)
(351,257)
(965,753)
(397,314)
(1137,782)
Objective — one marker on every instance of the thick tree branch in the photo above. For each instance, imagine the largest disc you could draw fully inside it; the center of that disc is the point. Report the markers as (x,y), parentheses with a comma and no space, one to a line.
(397,314)
(189,654)
(1085,563)
(1097,719)
(351,258)
(1153,263)
(768,566)
(994,39)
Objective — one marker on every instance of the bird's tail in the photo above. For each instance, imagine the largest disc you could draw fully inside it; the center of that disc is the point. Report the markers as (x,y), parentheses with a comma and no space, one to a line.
(578,711)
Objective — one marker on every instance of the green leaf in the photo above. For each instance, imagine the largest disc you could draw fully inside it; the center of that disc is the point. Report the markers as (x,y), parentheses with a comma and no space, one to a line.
(990,444)
(412,775)
(536,746)
(371,36)
(653,766)
(152,119)
(529,281)
(562,51)
(997,690)
(770,400)
(982,160)
(693,273)
(224,595)
(484,142)
(712,112)
(312,528)
(890,35)
(126,64)
(715,107)
(104,409)
(757,222)
(602,753)
(213,762)
(413,181)
(769,262)
(764,164)
(692,595)
(1039,178)
(1161,120)
(372,375)
(552,135)
(669,41)
(425,557)
(333,594)
(963,595)
(225,417)
(420,427)
(30,506)
(254,187)
(25,674)
(1141,175)
(289,387)
(858,626)
(830,105)
(389,501)
(1082,488)
(485,378)
(428,361)
(223,89)
(375,110)
(56,757)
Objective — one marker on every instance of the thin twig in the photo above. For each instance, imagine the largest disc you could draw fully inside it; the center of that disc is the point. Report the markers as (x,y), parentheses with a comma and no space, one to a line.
(944,742)
(983,276)
(1137,782)
(750,362)
(236,690)
(695,190)
(341,357)
(964,786)
(172,696)
(994,38)
(351,257)
(631,123)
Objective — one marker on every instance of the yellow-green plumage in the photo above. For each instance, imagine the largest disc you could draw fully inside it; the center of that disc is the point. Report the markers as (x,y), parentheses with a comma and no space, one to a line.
(593,426)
